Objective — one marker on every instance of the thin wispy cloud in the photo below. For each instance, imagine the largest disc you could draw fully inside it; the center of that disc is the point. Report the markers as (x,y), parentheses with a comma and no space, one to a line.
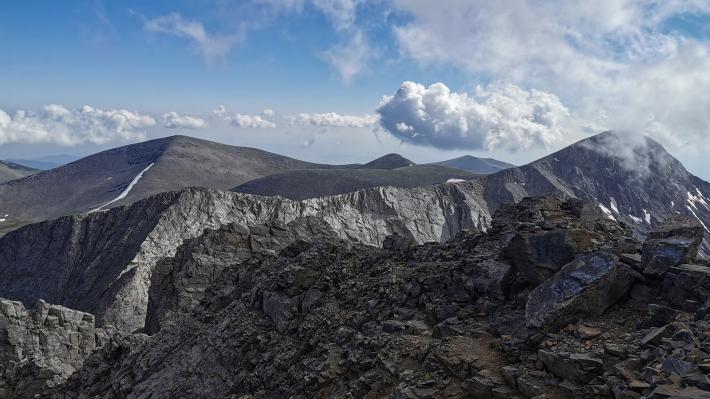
(212,46)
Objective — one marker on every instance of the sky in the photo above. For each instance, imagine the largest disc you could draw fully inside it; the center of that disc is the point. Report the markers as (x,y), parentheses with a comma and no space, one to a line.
(344,81)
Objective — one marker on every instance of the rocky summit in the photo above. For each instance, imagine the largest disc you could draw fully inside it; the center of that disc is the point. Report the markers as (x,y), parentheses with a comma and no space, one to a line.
(555,300)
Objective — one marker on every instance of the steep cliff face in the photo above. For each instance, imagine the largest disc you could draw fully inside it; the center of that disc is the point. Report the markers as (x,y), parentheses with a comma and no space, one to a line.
(102,262)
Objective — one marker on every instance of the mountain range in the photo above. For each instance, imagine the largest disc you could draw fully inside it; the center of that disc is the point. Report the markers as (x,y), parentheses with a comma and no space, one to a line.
(133,240)
(126,174)
(476,165)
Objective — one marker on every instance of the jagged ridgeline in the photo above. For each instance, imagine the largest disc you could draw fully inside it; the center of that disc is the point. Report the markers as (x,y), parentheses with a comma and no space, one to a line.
(294,310)
(410,290)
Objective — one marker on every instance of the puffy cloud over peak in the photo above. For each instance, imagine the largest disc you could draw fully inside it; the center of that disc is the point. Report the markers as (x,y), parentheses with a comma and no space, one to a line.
(497,116)
(173,120)
(56,124)
(250,121)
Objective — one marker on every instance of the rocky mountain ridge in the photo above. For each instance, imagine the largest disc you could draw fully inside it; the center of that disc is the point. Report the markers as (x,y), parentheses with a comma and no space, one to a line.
(102,262)
(303,313)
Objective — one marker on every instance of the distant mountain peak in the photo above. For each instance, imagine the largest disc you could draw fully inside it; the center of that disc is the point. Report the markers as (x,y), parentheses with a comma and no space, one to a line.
(10,171)
(389,161)
(476,165)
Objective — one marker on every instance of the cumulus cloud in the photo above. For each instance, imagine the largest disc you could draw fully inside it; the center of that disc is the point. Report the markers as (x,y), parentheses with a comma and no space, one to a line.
(498,116)
(173,120)
(212,46)
(56,124)
(250,121)
(332,119)
(617,63)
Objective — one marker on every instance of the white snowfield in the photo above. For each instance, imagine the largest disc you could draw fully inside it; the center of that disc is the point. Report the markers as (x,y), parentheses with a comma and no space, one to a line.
(606,211)
(125,192)
(452,180)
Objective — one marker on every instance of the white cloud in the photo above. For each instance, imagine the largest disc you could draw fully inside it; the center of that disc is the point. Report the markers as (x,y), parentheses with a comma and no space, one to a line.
(498,116)
(56,124)
(342,13)
(350,58)
(353,52)
(212,46)
(333,119)
(173,120)
(613,62)
(250,121)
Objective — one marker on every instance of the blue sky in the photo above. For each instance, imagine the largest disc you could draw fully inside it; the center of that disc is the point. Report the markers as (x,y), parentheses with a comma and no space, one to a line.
(307,77)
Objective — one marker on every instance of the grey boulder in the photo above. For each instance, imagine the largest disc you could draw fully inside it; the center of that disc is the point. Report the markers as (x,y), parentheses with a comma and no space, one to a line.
(674,242)
(586,286)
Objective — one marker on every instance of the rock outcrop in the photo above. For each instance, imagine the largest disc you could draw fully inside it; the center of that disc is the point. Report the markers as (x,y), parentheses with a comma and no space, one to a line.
(178,283)
(102,262)
(41,347)
(674,242)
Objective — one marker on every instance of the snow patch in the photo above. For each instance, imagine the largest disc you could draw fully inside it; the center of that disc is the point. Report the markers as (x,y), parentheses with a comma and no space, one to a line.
(699,220)
(646,216)
(613,206)
(125,192)
(695,200)
(606,211)
(635,219)
(453,180)
(2,220)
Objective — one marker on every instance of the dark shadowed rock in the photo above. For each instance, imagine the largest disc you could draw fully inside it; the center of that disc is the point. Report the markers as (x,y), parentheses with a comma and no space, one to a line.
(574,367)
(674,242)
(493,279)
(586,286)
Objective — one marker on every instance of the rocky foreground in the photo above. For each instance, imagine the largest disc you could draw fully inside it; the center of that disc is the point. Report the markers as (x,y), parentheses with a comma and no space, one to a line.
(556,300)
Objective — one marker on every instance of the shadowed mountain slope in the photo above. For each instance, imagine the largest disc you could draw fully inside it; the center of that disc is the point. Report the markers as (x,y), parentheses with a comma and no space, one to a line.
(11,171)
(126,174)
(476,165)
(302,184)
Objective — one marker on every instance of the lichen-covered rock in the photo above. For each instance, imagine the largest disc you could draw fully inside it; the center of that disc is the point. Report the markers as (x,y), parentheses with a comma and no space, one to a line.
(585,286)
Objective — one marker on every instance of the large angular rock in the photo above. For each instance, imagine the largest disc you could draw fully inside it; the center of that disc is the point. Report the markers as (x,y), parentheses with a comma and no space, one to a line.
(585,286)
(539,255)
(547,233)
(493,279)
(674,242)
(686,287)
(42,347)
(573,367)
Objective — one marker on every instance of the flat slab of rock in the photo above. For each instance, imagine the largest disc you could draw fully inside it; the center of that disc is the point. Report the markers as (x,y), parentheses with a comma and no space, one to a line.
(585,286)
(676,241)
